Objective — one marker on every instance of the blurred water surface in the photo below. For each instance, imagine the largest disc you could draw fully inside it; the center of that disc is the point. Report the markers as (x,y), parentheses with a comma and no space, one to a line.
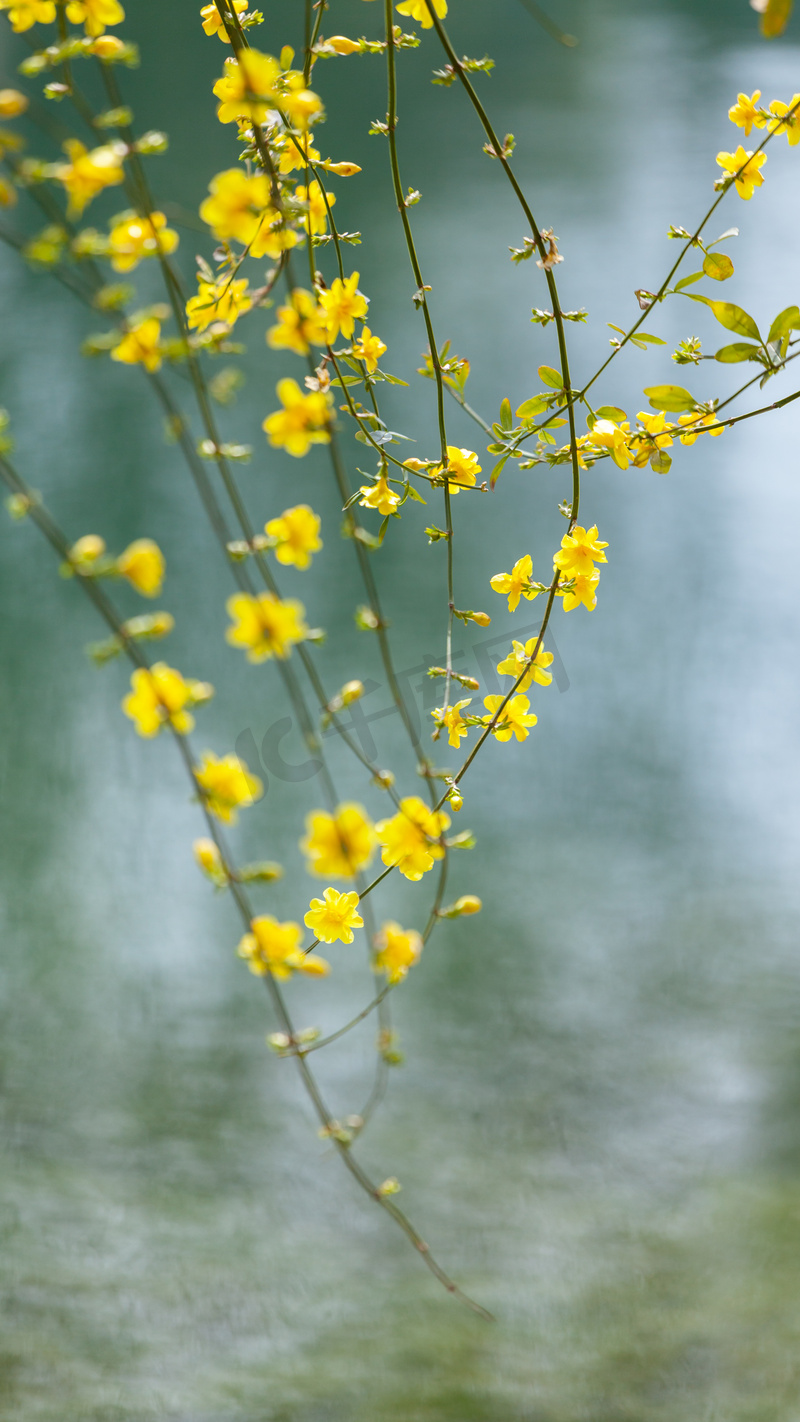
(597,1124)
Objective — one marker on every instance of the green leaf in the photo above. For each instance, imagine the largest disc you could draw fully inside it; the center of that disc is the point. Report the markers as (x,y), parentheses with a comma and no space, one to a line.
(342,380)
(551,377)
(785,321)
(610,412)
(688,280)
(718,266)
(535,406)
(642,339)
(733,318)
(723,237)
(414,494)
(740,350)
(670,397)
(660,461)
(505,414)
(497,471)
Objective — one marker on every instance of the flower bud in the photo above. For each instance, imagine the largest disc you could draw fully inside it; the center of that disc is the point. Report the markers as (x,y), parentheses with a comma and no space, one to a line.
(366,619)
(455,797)
(383,778)
(351,691)
(389,1187)
(279,1041)
(12,103)
(340,44)
(152,142)
(264,872)
(142,563)
(307,1035)
(469,903)
(342,170)
(150,624)
(19,505)
(87,550)
(108,47)
(209,859)
(200,691)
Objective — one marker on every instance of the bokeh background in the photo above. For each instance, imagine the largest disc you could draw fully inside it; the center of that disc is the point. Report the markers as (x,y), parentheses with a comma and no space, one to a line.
(597,1123)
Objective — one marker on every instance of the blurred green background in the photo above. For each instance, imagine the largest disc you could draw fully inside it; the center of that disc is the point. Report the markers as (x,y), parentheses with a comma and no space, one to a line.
(597,1123)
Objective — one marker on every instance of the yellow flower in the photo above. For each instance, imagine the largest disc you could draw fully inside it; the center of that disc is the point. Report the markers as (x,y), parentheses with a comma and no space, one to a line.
(452,721)
(397,951)
(343,303)
(240,207)
(657,435)
(159,695)
(212,20)
(409,840)
(379,496)
(299,105)
(790,126)
(317,216)
(297,535)
(94,15)
(583,591)
(8,194)
(25,13)
(518,660)
(245,90)
(420,10)
(140,345)
(266,625)
(462,467)
(301,324)
(516,584)
(368,348)
(237,205)
(606,435)
(273,237)
(337,846)
(334,916)
(303,421)
(273,947)
(694,424)
(222,300)
(745,166)
(87,173)
(210,861)
(12,103)
(226,785)
(143,565)
(514,720)
(297,153)
(132,237)
(579,552)
(745,112)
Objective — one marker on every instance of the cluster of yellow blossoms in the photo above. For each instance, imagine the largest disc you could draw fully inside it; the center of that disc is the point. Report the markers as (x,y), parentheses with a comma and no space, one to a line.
(743,167)
(273,204)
